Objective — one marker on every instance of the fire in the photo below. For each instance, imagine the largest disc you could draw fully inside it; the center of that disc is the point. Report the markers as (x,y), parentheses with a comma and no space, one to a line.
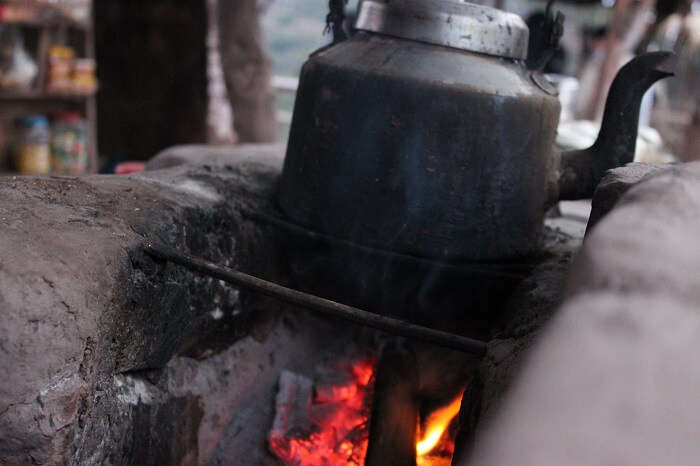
(339,432)
(435,426)
(335,430)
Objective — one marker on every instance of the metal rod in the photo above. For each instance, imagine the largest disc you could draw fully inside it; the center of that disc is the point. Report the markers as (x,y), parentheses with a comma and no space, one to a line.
(314,303)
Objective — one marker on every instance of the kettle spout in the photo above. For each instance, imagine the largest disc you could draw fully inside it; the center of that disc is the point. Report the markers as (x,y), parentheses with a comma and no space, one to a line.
(582,170)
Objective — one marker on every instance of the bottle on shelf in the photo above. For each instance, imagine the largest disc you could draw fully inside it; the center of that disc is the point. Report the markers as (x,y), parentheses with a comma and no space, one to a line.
(69,154)
(60,68)
(17,68)
(31,147)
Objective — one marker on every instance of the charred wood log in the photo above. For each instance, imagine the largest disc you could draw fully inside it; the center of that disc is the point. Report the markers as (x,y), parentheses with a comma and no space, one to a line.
(292,406)
(395,409)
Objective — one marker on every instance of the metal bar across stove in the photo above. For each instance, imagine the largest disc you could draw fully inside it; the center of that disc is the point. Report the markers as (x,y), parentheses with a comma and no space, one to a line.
(314,303)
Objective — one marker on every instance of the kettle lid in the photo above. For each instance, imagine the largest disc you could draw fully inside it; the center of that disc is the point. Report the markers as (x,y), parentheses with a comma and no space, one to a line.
(452,23)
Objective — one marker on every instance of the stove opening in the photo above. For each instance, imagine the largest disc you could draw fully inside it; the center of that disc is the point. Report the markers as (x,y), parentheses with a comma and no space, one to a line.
(325,420)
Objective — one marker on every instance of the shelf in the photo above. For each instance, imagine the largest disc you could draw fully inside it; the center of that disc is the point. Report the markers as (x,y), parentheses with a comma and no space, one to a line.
(42,95)
(48,25)
(48,22)
(37,15)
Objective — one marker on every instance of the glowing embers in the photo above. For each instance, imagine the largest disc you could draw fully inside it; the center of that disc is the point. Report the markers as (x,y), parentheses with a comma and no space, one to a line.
(435,445)
(325,424)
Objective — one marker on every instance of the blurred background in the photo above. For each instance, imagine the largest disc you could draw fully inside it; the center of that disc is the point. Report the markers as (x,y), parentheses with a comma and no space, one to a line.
(101,86)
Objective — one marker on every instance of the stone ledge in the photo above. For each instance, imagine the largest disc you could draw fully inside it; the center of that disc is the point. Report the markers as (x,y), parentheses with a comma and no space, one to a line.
(615,184)
(649,243)
(614,378)
(79,303)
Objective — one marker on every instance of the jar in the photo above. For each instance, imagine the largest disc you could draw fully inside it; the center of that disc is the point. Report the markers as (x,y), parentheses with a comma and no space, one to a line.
(32,145)
(60,67)
(84,80)
(69,144)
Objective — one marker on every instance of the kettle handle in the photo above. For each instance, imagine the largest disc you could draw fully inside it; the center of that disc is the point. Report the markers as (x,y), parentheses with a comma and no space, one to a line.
(544,39)
(335,20)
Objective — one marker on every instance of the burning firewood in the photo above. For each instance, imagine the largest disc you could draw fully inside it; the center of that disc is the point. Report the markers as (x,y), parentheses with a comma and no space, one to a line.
(394,408)
(418,393)
(322,423)
(292,419)
(412,419)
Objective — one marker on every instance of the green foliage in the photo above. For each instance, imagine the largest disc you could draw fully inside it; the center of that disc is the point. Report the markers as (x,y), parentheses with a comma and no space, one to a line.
(293,29)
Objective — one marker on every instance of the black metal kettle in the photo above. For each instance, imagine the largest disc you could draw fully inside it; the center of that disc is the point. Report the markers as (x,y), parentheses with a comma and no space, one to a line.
(425,134)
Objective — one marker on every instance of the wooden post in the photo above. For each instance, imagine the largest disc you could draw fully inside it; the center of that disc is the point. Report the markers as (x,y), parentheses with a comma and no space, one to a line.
(152,66)
(627,23)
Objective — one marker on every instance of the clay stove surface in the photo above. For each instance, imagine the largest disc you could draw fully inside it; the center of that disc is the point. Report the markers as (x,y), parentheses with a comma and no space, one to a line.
(111,357)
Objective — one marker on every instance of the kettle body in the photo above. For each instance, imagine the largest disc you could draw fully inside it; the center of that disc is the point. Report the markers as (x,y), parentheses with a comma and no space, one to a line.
(417,139)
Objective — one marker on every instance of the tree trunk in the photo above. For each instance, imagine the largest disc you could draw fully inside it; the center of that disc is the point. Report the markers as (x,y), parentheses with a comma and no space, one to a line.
(247,71)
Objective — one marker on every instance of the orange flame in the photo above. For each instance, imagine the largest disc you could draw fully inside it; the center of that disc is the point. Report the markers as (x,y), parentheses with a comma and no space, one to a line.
(435,426)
